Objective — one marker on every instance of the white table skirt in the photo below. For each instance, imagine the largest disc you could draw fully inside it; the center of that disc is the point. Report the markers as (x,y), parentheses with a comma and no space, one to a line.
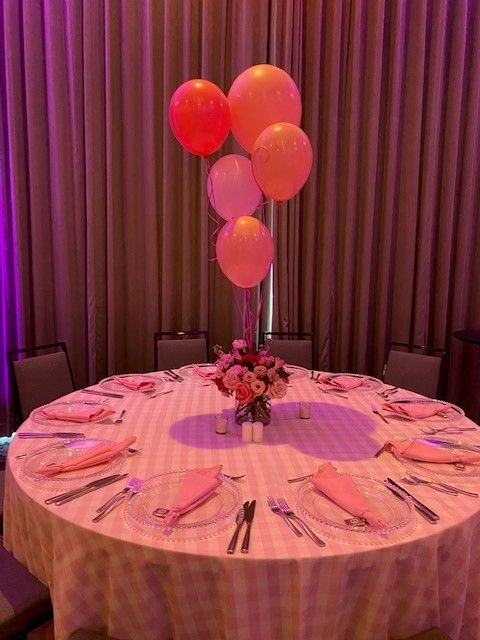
(107,577)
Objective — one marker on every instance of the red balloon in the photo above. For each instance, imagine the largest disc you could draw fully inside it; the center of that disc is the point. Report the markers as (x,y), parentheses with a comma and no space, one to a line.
(245,251)
(199,116)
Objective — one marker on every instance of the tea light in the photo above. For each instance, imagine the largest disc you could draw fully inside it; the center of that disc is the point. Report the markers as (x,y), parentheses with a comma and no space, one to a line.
(257,432)
(304,410)
(221,424)
(246,431)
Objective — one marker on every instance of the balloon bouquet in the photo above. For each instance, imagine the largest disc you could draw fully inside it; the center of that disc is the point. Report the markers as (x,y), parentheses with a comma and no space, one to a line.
(263,110)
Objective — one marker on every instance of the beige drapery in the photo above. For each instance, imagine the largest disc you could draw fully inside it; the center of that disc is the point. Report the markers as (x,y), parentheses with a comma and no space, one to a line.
(109,214)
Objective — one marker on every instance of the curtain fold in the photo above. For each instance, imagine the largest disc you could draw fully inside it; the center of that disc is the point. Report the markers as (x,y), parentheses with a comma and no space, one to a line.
(105,232)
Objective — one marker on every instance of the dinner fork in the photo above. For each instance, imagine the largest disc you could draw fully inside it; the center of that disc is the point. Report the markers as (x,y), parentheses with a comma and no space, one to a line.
(276,509)
(133,487)
(452,430)
(377,413)
(282,503)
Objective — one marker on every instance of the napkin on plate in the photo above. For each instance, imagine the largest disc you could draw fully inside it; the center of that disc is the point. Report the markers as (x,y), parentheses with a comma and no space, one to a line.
(103,452)
(414,410)
(342,490)
(75,413)
(135,383)
(197,485)
(342,382)
(417,449)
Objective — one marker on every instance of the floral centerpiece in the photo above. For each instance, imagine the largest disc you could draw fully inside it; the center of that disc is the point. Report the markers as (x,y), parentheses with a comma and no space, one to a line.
(253,378)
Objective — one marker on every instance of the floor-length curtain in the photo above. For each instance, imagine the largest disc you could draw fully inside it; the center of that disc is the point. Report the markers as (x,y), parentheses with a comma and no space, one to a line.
(105,234)
(385,233)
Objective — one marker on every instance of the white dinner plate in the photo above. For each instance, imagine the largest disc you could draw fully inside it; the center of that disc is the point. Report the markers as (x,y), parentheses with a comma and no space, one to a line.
(370,383)
(41,422)
(451,413)
(115,385)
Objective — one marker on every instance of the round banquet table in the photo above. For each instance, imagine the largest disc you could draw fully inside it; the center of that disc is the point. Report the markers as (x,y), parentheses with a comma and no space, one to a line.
(108,577)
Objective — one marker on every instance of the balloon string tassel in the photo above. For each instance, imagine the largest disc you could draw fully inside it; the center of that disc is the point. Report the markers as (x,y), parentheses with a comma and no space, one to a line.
(212,236)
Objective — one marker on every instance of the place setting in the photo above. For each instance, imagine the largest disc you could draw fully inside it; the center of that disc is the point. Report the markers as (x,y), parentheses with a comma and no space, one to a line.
(70,462)
(417,408)
(70,415)
(354,509)
(344,383)
(147,384)
(185,505)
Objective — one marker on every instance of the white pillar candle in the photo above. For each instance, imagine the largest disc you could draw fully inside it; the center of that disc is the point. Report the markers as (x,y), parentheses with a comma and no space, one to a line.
(247,431)
(304,410)
(257,432)
(221,423)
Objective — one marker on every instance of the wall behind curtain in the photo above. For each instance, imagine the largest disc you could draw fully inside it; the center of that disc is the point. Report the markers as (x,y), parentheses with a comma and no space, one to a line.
(385,233)
(104,229)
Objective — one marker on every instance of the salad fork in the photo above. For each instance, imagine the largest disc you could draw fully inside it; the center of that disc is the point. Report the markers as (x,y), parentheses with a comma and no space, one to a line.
(282,503)
(133,487)
(276,509)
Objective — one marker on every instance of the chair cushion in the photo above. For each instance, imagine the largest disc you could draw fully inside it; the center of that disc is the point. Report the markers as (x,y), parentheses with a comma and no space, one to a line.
(24,601)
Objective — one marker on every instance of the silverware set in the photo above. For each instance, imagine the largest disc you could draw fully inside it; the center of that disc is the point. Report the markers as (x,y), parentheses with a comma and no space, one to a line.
(386,393)
(438,486)
(420,507)
(67,496)
(244,514)
(452,430)
(107,394)
(377,412)
(281,509)
(127,494)
(174,376)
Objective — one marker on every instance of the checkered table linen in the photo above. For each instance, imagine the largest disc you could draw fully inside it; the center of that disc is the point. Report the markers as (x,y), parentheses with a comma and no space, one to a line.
(107,577)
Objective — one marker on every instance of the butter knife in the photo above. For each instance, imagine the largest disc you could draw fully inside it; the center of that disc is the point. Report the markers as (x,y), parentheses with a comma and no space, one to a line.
(250,512)
(240,519)
(403,496)
(102,393)
(47,434)
(81,491)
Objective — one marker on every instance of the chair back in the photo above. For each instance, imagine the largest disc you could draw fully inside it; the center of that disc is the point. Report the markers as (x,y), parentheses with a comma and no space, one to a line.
(414,368)
(173,350)
(294,348)
(40,379)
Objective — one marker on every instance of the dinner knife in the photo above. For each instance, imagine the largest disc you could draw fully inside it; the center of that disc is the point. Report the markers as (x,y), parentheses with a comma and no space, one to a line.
(240,519)
(453,444)
(402,496)
(51,434)
(416,503)
(250,512)
(102,393)
(80,491)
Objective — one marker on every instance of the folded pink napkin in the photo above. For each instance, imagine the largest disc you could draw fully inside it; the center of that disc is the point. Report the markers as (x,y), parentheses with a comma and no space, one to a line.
(96,455)
(416,411)
(342,382)
(196,486)
(342,490)
(428,452)
(76,413)
(135,383)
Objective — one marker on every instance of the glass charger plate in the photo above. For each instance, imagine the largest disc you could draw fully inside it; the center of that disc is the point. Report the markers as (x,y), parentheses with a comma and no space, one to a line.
(452,412)
(371,383)
(444,470)
(113,385)
(191,371)
(329,519)
(67,451)
(296,372)
(40,422)
(205,521)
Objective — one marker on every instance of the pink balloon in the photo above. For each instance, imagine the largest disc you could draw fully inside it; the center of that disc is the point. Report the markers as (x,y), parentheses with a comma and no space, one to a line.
(259,97)
(231,187)
(245,251)
(282,160)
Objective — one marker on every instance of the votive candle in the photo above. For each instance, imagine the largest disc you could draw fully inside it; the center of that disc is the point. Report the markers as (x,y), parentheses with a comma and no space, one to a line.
(257,432)
(247,431)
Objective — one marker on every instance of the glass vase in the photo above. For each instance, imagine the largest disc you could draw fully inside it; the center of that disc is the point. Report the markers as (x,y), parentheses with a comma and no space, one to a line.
(258,410)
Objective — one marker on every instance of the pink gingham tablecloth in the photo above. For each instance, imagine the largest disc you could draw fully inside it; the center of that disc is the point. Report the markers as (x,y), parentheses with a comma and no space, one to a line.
(107,577)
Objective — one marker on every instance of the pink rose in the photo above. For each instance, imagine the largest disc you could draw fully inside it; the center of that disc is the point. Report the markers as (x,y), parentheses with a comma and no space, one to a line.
(258,387)
(236,370)
(243,393)
(260,371)
(249,376)
(239,344)
(272,375)
(230,380)
(279,363)
(278,389)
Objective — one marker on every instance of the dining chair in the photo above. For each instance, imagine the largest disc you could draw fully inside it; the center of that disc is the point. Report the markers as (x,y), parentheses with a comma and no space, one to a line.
(414,367)
(174,349)
(294,348)
(2,493)
(39,375)
(24,601)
